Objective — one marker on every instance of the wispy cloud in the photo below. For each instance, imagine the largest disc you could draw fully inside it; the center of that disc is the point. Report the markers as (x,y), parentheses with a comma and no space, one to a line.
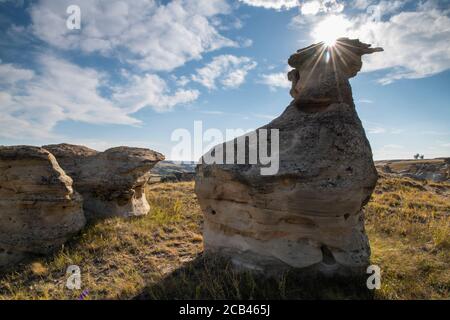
(275,80)
(366,101)
(376,130)
(435,133)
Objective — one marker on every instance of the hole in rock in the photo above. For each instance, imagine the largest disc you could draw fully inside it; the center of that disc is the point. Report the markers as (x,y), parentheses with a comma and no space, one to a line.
(327,256)
(346,216)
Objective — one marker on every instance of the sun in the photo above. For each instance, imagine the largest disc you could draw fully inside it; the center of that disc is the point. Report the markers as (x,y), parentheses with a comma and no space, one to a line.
(330,29)
(330,42)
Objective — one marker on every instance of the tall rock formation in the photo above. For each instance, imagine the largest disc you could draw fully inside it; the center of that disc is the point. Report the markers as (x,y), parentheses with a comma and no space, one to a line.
(39,210)
(309,213)
(111,182)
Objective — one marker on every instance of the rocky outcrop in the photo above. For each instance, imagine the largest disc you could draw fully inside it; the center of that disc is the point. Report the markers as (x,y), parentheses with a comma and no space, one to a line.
(39,210)
(309,214)
(111,182)
(173,171)
(437,170)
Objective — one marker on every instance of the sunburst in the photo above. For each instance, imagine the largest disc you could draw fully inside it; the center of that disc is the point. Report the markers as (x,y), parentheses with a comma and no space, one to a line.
(330,29)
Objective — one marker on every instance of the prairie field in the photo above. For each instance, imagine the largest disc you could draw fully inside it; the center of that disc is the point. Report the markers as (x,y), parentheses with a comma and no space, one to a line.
(160,256)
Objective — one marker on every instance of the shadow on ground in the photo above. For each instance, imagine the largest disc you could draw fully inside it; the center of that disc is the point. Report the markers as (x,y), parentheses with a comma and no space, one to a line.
(214,278)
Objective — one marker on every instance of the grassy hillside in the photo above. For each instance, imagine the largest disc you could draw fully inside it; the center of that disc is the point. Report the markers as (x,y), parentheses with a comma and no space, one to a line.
(160,256)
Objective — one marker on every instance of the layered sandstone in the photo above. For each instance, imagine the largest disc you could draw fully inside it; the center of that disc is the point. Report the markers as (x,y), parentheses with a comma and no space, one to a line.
(309,214)
(39,210)
(111,182)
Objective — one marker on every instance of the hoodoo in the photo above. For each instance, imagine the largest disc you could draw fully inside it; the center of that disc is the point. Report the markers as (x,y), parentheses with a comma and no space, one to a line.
(111,182)
(309,214)
(39,209)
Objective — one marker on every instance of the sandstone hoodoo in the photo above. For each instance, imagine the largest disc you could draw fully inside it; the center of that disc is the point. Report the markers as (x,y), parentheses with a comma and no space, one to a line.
(309,214)
(111,182)
(39,210)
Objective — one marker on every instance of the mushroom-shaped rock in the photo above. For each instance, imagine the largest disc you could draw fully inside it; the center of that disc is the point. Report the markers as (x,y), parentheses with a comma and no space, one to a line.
(321,73)
(39,210)
(309,213)
(111,182)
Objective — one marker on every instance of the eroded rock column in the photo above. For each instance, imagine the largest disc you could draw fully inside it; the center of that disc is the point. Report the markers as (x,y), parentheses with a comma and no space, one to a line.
(39,210)
(111,182)
(310,213)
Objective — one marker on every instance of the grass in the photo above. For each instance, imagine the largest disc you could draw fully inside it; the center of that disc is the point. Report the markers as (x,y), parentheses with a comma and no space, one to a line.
(159,256)
(408,223)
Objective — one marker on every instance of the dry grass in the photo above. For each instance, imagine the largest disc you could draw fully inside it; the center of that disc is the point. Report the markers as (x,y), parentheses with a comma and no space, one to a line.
(408,223)
(159,256)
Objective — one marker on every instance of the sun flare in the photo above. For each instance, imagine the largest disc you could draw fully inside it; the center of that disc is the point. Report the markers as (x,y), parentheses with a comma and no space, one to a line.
(330,29)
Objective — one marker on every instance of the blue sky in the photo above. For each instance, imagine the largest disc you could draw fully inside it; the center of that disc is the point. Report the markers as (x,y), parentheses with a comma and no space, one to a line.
(138,70)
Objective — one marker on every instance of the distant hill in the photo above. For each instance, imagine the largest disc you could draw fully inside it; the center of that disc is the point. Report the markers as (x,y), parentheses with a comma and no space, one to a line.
(166,171)
(437,170)
(428,169)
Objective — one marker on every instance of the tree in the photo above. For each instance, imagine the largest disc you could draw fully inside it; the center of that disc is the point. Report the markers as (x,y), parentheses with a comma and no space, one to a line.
(422,157)
(416,156)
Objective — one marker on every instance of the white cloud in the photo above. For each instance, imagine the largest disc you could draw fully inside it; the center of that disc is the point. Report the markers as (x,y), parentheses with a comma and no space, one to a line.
(310,7)
(367,101)
(182,81)
(276,80)
(414,50)
(150,90)
(376,130)
(313,7)
(64,91)
(272,4)
(361,4)
(148,34)
(228,70)
(11,74)
(415,40)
